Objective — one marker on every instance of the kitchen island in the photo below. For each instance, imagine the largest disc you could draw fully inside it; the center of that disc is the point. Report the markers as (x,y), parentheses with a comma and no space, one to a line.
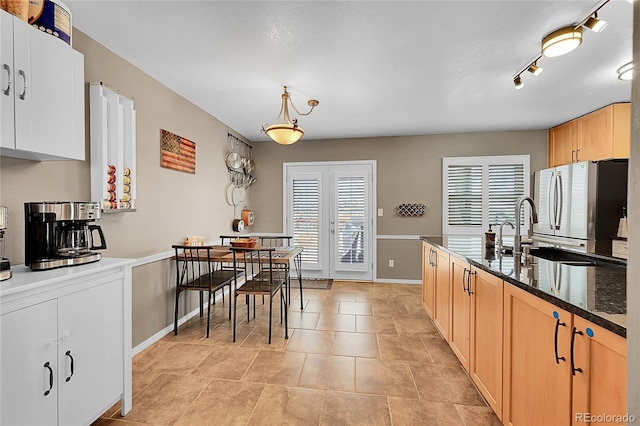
(543,342)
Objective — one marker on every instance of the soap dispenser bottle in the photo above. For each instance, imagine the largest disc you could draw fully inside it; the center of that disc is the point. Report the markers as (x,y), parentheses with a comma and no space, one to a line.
(490,239)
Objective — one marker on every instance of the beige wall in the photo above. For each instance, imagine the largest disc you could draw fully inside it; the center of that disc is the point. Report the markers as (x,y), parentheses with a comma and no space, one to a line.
(170,205)
(409,170)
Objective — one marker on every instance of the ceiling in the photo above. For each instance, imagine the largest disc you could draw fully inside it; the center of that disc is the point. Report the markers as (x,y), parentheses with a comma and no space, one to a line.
(378,68)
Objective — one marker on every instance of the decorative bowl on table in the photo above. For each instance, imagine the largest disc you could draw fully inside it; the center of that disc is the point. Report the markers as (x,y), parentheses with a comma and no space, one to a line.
(244,242)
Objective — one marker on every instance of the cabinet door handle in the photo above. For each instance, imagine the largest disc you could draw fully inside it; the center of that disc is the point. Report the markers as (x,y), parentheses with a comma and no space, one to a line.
(469,281)
(577,156)
(48,367)
(23,95)
(573,342)
(430,254)
(464,278)
(435,258)
(68,353)
(555,338)
(572,152)
(8,89)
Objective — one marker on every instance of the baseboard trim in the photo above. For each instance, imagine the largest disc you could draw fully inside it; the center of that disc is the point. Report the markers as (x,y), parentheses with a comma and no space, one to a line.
(397,281)
(169,329)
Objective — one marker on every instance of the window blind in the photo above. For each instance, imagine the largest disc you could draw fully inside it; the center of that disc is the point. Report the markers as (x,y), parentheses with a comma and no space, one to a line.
(306,218)
(351,212)
(478,191)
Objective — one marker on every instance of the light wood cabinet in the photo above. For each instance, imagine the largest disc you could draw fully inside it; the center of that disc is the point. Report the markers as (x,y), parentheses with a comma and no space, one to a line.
(605,133)
(563,144)
(537,370)
(428,279)
(460,310)
(435,287)
(442,292)
(42,94)
(600,375)
(486,327)
(600,135)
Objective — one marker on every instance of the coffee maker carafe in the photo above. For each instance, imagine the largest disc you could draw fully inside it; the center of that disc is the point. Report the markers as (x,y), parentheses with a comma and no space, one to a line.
(60,234)
(5,266)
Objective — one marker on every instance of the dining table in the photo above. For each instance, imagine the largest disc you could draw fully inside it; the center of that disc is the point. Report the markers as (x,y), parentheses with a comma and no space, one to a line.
(284,256)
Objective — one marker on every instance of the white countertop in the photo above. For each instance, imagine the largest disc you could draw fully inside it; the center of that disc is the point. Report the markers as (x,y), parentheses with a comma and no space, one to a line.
(24,279)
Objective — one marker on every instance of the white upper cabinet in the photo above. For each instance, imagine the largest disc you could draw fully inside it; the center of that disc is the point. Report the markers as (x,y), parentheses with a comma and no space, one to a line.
(42,94)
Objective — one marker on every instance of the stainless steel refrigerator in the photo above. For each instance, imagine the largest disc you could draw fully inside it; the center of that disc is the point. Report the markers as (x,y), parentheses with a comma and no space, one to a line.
(580,204)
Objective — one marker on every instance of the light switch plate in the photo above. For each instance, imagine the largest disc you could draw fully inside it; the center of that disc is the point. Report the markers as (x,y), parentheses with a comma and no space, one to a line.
(380,212)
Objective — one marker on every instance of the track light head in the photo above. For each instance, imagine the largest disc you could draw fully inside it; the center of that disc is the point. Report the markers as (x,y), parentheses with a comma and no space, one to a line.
(517,81)
(535,69)
(595,24)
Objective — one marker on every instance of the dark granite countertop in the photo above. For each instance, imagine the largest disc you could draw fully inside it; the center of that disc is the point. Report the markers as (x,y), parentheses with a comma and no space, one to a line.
(597,294)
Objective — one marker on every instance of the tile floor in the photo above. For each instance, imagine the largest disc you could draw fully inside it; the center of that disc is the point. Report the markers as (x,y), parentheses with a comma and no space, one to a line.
(359,354)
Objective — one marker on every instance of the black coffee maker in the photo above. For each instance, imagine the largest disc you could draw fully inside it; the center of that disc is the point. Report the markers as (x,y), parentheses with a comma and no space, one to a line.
(60,233)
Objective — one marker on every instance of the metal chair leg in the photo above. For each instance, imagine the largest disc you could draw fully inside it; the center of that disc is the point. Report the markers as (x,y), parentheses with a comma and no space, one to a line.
(208,313)
(175,319)
(235,305)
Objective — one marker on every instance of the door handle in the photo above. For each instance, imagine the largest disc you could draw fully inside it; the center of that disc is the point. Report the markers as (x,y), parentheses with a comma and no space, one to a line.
(23,95)
(68,353)
(464,278)
(558,219)
(47,365)
(8,89)
(573,342)
(469,281)
(550,198)
(555,338)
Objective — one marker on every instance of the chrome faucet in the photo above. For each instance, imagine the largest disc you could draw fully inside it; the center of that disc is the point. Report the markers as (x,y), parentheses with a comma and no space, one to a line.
(500,246)
(517,241)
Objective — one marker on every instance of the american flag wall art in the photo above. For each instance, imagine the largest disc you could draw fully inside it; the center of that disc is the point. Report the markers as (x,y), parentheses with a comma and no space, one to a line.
(177,153)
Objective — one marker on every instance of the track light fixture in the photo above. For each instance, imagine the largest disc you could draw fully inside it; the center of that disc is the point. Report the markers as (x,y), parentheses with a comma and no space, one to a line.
(562,41)
(287,131)
(535,69)
(625,72)
(595,24)
(517,81)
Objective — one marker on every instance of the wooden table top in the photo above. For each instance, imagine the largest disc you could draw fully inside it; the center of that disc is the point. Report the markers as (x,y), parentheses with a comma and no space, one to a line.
(223,253)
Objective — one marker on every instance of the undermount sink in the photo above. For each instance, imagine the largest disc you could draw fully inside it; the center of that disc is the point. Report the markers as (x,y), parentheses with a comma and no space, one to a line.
(570,258)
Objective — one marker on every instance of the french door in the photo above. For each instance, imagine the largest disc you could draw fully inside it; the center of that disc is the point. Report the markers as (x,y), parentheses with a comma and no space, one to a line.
(328,210)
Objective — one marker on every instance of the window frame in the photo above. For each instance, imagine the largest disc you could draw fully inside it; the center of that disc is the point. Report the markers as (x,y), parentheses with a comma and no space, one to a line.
(485,162)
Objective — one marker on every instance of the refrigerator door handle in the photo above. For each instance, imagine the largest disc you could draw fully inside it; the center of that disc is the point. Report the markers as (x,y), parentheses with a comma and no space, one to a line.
(559,206)
(550,197)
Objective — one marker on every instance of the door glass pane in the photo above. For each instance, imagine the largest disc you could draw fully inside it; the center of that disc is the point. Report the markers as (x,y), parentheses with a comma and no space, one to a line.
(306,218)
(351,213)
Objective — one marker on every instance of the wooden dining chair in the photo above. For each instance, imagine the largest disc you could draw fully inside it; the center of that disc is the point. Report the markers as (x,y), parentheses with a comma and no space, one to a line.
(196,270)
(262,277)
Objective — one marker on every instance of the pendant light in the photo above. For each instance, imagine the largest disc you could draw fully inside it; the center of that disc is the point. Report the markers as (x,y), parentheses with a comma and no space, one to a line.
(287,131)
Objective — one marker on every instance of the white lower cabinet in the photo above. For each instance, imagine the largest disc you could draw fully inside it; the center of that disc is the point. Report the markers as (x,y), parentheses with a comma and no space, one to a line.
(28,360)
(62,360)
